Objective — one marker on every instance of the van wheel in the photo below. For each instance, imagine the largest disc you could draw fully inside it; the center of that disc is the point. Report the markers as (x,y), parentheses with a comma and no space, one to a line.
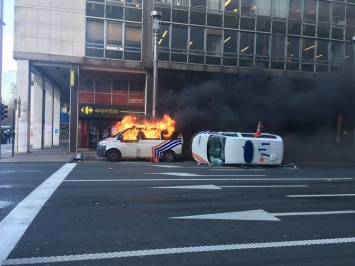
(169,156)
(113,155)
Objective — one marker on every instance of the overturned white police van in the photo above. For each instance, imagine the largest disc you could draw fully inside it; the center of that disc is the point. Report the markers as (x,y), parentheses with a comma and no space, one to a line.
(140,142)
(237,148)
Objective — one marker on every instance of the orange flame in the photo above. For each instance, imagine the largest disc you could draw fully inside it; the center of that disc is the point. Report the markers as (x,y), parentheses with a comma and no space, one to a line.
(150,129)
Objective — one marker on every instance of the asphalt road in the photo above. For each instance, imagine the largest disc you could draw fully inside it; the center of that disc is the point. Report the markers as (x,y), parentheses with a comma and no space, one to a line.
(138,213)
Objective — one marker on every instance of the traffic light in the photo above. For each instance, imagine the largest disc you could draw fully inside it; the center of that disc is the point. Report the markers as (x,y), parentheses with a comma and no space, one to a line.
(3,111)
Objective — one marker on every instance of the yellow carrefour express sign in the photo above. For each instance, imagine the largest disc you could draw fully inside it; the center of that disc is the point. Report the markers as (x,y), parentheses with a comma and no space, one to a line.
(94,110)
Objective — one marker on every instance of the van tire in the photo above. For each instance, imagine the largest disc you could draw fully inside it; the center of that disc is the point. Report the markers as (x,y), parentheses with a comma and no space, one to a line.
(169,156)
(113,155)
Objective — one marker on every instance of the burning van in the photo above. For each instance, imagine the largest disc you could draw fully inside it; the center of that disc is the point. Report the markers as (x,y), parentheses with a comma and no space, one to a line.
(142,141)
(237,148)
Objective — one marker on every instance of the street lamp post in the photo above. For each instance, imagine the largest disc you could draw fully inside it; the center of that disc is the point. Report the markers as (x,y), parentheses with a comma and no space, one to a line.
(156,16)
(353,41)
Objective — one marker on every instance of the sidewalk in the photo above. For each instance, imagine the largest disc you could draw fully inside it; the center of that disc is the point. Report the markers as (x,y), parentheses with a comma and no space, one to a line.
(58,154)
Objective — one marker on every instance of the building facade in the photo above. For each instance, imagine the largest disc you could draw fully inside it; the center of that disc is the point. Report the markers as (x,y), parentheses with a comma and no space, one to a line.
(91,61)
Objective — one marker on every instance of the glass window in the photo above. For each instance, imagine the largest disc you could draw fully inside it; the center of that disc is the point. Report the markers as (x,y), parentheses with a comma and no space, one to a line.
(338,14)
(322,50)
(323,31)
(263,25)
(278,47)
(133,37)
(215,4)
(308,49)
(337,52)
(337,33)
(133,14)
(246,44)
(294,27)
(166,13)
(350,15)
(279,8)
(94,34)
(294,9)
(214,20)
(230,42)
(164,36)
(247,23)
(231,21)
(248,7)
(263,7)
(262,45)
(279,27)
(114,35)
(120,86)
(310,10)
(179,38)
(198,18)
(309,30)
(324,11)
(180,16)
(231,6)
(214,42)
(293,48)
(181,3)
(197,38)
(102,85)
(95,10)
(350,32)
(114,11)
(134,3)
(198,3)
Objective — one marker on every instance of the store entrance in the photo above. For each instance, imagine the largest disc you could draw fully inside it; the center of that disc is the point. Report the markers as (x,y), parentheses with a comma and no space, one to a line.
(92,131)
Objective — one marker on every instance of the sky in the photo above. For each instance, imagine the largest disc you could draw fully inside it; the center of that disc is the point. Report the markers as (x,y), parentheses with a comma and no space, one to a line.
(8,63)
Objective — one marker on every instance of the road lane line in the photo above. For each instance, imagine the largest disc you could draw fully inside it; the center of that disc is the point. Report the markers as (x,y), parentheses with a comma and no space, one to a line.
(206,179)
(180,250)
(14,225)
(320,195)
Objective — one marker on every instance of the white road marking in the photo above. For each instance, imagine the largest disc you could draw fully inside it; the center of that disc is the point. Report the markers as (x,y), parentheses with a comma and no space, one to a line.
(180,250)
(257,215)
(206,179)
(320,195)
(220,187)
(14,225)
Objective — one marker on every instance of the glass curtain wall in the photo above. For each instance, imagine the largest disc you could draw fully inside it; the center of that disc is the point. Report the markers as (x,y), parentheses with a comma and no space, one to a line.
(295,35)
(114,29)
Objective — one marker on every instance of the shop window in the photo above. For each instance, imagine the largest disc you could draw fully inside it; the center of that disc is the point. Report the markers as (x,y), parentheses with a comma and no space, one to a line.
(102,85)
(86,97)
(136,94)
(119,92)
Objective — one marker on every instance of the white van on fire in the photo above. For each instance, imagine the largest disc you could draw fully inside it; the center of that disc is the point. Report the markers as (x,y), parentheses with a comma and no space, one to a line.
(140,142)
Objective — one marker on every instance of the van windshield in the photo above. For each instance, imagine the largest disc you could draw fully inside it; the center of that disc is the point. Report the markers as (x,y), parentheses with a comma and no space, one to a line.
(215,149)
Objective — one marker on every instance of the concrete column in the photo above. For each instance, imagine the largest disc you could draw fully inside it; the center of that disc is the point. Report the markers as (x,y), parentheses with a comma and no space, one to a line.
(56,117)
(22,141)
(36,112)
(48,116)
